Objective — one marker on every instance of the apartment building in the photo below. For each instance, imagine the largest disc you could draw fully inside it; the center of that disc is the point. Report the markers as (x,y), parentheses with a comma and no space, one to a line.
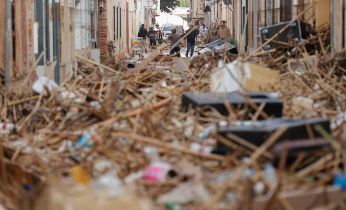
(246,17)
(119,23)
(46,35)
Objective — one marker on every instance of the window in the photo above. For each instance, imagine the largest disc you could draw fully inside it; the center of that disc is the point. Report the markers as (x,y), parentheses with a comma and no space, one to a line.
(117,22)
(114,22)
(120,23)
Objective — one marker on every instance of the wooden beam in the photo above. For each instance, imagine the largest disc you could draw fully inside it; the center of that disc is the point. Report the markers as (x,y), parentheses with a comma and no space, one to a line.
(19,14)
(337,25)
(302,199)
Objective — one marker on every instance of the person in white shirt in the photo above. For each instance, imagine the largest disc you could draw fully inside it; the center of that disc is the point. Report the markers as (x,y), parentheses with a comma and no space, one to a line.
(203,30)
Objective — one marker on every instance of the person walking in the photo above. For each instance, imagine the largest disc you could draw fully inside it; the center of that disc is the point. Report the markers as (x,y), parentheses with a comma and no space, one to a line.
(174,38)
(191,40)
(143,33)
(224,33)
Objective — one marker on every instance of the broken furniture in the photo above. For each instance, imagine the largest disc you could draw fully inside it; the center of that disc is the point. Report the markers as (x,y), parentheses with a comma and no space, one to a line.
(288,152)
(218,46)
(257,132)
(298,31)
(272,102)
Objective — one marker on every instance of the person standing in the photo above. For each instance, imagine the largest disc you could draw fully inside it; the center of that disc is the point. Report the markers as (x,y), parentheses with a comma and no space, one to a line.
(224,33)
(143,33)
(152,37)
(174,38)
(191,40)
(159,34)
(203,30)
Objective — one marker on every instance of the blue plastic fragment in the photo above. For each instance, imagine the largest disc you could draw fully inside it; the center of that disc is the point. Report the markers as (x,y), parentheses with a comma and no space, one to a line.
(84,141)
(340,180)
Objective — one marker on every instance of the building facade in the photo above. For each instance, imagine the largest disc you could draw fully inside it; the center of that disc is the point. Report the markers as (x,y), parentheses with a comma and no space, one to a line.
(119,21)
(197,10)
(46,35)
(246,17)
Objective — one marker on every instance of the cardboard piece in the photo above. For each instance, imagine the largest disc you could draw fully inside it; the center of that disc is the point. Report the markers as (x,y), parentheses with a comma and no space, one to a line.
(69,196)
(237,76)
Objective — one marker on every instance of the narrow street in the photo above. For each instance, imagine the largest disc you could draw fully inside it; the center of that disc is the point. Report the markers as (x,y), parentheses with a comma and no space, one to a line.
(173,105)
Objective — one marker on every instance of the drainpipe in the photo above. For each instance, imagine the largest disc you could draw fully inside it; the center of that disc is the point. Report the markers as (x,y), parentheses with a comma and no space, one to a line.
(332,32)
(8,25)
(247,25)
(255,22)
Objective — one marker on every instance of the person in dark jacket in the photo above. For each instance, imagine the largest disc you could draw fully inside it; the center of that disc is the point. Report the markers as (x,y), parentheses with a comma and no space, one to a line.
(191,41)
(143,33)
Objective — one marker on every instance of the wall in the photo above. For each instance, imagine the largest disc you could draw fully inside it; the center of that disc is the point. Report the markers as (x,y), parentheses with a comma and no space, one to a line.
(322,13)
(139,8)
(197,7)
(82,26)
(2,37)
(21,41)
(118,24)
(116,20)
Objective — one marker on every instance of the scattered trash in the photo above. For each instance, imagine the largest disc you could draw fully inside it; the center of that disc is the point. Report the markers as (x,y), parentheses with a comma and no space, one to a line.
(186,193)
(6,128)
(303,102)
(270,175)
(158,170)
(205,133)
(80,175)
(170,206)
(340,180)
(87,140)
(109,136)
(65,146)
(44,83)
(68,96)
(200,148)
(131,65)
(109,183)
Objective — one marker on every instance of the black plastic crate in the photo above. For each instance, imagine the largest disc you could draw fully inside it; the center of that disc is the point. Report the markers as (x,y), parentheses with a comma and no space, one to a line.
(273,104)
(258,132)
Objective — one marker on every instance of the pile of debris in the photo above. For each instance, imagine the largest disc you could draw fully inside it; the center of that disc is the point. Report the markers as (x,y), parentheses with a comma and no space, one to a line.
(169,137)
